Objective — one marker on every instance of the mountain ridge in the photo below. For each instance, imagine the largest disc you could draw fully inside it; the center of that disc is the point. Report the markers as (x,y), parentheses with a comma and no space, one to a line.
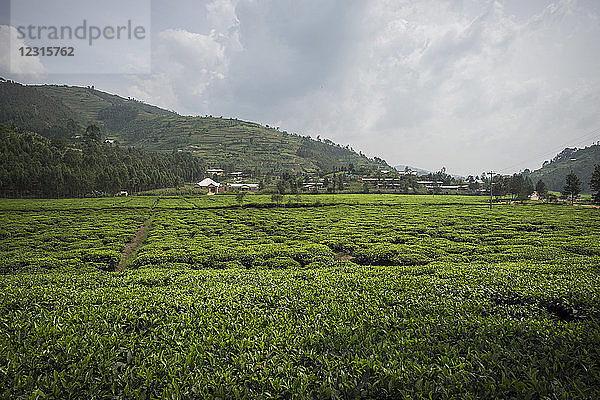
(579,161)
(63,112)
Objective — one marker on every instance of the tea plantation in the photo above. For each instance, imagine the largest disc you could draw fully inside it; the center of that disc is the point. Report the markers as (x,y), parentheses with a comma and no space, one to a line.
(332,296)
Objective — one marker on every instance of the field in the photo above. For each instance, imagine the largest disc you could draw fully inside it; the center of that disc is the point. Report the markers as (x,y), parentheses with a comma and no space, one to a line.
(338,296)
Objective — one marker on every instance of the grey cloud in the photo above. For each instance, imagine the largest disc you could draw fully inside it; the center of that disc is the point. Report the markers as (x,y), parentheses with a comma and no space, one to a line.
(289,49)
(427,83)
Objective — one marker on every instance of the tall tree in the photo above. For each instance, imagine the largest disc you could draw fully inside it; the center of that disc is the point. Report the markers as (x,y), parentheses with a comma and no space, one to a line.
(595,184)
(572,186)
(517,184)
(526,189)
(540,188)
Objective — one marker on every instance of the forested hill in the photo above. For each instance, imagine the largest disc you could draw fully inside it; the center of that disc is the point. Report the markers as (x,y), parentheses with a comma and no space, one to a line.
(32,165)
(65,112)
(579,161)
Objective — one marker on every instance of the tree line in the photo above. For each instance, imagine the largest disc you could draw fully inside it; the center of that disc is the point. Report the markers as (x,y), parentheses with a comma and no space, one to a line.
(520,186)
(34,166)
(572,186)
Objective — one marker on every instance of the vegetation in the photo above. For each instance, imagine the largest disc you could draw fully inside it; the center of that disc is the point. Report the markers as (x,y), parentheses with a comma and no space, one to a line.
(278,295)
(344,296)
(36,111)
(595,184)
(240,196)
(31,165)
(518,186)
(65,112)
(572,186)
(579,161)
(540,189)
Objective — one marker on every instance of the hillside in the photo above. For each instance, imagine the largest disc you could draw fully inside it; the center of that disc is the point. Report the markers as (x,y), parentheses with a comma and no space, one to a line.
(419,171)
(65,111)
(579,161)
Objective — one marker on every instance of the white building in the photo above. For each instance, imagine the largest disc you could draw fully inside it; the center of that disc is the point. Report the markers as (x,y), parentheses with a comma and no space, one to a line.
(211,186)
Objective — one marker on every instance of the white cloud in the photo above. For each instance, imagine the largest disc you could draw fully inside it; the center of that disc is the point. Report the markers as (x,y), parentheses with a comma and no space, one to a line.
(222,17)
(186,63)
(11,63)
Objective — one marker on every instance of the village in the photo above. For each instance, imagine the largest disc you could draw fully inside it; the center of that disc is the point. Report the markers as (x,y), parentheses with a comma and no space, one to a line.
(219,181)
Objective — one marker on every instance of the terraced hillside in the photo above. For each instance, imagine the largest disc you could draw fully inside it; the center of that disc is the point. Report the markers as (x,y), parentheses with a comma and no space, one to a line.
(65,111)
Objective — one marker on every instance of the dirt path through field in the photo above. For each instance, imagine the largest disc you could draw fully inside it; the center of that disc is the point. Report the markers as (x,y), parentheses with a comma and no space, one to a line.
(137,240)
(133,245)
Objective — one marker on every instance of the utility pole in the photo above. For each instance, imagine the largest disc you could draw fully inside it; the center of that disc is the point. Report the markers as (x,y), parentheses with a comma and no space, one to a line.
(491,184)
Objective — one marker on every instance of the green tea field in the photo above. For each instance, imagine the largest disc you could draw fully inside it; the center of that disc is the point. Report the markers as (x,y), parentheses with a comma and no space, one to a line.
(320,297)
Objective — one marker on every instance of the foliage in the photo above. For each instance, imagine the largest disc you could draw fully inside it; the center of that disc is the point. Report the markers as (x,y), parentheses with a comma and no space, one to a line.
(595,183)
(540,188)
(31,108)
(31,165)
(239,197)
(63,111)
(277,198)
(117,117)
(572,186)
(363,296)
(579,161)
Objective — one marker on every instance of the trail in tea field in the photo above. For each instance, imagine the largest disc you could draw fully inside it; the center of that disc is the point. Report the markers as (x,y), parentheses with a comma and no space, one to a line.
(136,241)
(130,248)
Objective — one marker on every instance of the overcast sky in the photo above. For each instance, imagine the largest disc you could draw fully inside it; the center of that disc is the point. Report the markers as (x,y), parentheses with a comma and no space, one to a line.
(469,85)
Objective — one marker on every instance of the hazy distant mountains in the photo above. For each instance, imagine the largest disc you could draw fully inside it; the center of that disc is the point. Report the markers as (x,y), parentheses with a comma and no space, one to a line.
(419,171)
(65,111)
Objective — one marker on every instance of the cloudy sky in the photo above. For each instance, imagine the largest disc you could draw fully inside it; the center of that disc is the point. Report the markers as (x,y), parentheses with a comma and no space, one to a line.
(469,85)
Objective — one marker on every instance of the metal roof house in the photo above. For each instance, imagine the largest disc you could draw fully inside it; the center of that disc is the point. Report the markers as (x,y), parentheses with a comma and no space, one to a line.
(211,186)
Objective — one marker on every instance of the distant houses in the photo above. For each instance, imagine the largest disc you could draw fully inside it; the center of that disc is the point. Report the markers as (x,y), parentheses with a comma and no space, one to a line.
(244,187)
(382,183)
(338,181)
(312,185)
(210,186)
(440,185)
(213,187)
(215,171)
(409,172)
(534,196)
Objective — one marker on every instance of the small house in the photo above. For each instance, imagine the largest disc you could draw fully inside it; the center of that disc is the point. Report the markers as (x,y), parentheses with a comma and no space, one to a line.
(210,186)
(215,171)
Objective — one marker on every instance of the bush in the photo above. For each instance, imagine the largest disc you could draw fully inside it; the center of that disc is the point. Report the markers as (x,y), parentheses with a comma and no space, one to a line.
(107,259)
(281,263)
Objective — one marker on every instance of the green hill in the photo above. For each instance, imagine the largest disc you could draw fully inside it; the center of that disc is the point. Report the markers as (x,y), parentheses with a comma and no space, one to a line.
(64,111)
(579,161)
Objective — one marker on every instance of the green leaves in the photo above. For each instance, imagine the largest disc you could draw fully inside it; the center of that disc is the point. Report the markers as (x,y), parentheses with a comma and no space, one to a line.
(372,297)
